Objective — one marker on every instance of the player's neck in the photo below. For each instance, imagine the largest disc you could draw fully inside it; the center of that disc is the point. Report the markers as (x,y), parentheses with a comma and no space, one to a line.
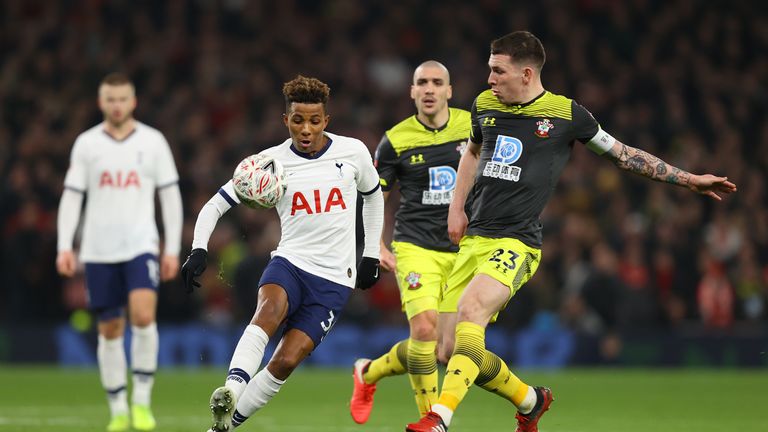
(436,121)
(530,93)
(120,131)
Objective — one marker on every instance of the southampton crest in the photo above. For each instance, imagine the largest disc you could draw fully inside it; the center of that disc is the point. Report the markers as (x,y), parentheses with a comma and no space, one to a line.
(413,280)
(543,128)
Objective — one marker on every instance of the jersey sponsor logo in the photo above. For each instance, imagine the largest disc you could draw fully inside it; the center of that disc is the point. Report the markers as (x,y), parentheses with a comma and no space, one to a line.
(417,159)
(413,280)
(489,121)
(442,182)
(507,151)
(119,179)
(334,199)
(543,128)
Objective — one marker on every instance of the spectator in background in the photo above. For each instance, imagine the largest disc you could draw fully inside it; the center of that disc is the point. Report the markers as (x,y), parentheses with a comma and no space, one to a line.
(677,70)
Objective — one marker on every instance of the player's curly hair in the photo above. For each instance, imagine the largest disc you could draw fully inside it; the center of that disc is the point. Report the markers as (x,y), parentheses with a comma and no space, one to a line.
(305,90)
(521,46)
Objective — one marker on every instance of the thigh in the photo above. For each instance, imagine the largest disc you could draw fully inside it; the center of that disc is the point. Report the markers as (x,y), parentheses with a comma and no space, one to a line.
(482,299)
(272,308)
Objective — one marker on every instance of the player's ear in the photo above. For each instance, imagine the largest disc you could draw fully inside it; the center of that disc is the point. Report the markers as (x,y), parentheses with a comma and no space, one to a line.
(413,92)
(527,74)
(285,119)
(450,91)
(326,120)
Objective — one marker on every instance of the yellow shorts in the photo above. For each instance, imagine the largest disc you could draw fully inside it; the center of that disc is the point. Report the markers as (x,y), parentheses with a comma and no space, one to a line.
(507,260)
(422,275)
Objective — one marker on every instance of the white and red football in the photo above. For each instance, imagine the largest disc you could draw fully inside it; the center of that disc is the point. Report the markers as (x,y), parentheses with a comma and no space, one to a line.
(259,181)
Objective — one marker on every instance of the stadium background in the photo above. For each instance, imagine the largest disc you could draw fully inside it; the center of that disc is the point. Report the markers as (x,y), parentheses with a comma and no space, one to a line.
(634,272)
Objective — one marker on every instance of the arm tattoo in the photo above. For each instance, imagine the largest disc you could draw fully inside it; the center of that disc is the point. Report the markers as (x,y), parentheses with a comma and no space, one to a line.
(643,163)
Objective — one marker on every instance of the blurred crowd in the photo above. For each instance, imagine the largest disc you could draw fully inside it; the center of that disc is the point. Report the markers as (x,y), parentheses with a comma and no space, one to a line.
(682,79)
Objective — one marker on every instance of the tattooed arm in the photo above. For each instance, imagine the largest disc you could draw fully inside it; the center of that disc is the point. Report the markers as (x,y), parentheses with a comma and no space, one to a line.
(645,164)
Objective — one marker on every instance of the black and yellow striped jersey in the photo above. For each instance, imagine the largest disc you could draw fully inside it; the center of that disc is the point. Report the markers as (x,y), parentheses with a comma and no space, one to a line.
(424,161)
(524,149)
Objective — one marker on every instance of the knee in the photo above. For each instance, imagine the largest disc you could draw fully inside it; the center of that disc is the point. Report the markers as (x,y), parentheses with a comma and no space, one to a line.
(423,331)
(142,317)
(470,309)
(282,365)
(269,310)
(111,329)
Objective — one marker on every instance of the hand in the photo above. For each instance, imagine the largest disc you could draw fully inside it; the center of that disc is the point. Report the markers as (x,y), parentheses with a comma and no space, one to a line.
(367,273)
(457,224)
(169,267)
(193,267)
(710,185)
(66,263)
(387,260)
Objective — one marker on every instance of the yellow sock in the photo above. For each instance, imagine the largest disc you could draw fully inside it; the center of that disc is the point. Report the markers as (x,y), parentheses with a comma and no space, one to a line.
(422,371)
(464,365)
(496,377)
(391,363)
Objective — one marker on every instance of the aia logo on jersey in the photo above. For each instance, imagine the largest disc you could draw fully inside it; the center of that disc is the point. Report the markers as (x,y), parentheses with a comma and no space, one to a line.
(412,279)
(119,179)
(542,131)
(334,198)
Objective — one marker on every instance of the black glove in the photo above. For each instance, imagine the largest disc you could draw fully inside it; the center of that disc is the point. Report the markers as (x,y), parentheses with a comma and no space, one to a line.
(367,273)
(193,267)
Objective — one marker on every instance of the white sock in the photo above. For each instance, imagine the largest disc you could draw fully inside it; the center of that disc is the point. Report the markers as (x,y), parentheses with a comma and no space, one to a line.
(144,346)
(445,413)
(528,402)
(246,359)
(260,390)
(113,369)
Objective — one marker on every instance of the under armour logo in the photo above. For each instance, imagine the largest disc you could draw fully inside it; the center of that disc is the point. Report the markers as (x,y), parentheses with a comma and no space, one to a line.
(489,121)
(417,159)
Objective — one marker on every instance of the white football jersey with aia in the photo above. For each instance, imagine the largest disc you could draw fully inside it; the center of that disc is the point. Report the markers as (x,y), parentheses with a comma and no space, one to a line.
(119,179)
(318,211)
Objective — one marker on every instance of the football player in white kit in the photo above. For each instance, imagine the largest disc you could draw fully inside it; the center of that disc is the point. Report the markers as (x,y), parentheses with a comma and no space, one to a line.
(312,272)
(118,165)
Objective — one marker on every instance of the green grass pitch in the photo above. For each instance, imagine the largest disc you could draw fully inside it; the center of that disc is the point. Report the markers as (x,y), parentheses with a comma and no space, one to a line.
(315,400)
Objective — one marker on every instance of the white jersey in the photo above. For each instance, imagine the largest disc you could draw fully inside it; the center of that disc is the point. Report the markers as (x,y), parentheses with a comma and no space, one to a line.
(318,211)
(120,179)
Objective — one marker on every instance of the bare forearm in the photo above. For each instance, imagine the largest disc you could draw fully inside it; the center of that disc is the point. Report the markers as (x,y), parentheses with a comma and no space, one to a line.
(645,164)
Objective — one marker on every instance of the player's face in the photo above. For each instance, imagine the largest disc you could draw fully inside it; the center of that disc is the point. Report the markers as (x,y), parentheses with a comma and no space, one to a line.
(506,79)
(117,102)
(306,123)
(431,90)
